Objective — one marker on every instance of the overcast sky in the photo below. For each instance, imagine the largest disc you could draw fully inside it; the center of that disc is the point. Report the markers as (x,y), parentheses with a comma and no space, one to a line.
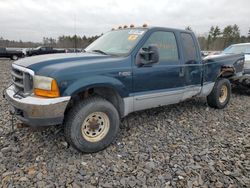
(30,20)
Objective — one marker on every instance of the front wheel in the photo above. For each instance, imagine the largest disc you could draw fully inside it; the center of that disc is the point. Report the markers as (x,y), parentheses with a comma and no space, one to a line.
(220,95)
(92,125)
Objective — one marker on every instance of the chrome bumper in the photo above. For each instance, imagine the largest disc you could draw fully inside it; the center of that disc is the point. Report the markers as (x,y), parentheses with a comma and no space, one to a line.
(37,111)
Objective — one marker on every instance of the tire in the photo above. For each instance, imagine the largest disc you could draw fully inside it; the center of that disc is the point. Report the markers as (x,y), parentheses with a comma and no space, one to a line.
(220,95)
(92,115)
(14,57)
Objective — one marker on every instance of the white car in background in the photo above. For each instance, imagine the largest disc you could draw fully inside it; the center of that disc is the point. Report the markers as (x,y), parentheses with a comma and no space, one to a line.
(240,48)
(244,81)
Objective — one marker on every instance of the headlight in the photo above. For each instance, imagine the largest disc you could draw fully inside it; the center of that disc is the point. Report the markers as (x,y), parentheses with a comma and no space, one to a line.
(45,87)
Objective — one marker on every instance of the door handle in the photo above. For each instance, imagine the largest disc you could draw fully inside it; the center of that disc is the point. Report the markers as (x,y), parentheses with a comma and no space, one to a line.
(182,72)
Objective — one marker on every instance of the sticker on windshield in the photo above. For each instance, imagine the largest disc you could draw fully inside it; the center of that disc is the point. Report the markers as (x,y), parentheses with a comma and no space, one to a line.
(132,37)
(136,32)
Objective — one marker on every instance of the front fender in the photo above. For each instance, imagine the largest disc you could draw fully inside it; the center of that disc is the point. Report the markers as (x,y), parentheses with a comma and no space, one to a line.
(96,81)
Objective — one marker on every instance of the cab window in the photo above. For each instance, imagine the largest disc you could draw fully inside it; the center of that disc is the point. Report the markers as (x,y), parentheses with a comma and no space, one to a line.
(189,49)
(166,43)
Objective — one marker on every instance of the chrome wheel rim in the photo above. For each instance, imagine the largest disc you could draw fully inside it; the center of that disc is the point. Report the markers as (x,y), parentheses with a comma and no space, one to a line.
(223,94)
(95,126)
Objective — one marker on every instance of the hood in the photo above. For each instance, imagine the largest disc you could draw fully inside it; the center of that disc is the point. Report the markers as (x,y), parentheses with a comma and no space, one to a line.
(47,64)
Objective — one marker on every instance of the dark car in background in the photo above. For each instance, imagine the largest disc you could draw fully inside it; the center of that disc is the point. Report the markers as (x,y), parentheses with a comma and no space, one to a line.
(12,54)
(43,50)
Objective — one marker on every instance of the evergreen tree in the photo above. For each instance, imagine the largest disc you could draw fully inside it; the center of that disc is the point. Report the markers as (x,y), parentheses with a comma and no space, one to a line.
(231,34)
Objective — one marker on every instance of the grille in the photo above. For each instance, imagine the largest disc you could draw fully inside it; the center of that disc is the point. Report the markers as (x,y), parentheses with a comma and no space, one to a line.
(22,80)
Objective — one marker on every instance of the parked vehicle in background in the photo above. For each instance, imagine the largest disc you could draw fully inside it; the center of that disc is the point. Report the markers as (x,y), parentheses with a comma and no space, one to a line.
(12,54)
(123,71)
(243,48)
(24,50)
(43,50)
(209,53)
(73,50)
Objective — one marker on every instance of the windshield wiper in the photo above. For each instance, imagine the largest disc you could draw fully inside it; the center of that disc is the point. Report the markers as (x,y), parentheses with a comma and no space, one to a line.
(99,51)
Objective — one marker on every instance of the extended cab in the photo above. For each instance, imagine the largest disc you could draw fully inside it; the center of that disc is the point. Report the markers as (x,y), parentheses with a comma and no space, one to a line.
(43,50)
(123,71)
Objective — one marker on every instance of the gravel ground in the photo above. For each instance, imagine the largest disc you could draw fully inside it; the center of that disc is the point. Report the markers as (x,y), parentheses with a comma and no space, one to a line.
(184,145)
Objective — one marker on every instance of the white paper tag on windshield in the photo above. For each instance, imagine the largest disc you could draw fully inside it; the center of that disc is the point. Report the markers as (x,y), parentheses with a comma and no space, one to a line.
(136,32)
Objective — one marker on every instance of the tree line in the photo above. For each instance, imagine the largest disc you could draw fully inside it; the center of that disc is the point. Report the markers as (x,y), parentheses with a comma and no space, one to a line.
(69,41)
(217,39)
(61,42)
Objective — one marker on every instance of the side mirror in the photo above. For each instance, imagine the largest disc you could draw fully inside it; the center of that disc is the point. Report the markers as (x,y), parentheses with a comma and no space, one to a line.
(149,55)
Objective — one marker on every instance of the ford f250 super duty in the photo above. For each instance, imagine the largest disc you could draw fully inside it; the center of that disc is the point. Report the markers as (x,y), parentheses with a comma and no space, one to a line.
(123,71)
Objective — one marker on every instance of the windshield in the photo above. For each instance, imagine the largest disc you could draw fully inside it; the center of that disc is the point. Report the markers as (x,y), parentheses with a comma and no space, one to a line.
(37,48)
(237,49)
(117,42)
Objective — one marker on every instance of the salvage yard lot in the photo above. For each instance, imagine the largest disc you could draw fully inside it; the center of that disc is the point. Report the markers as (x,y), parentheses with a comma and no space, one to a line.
(183,145)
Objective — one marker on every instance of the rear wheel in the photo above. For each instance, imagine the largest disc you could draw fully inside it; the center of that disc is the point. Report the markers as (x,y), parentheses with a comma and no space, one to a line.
(220,95)
(92,125)
(14,57)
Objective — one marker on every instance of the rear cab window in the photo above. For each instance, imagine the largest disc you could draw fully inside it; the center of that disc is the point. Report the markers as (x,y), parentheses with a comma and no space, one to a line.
(190,54)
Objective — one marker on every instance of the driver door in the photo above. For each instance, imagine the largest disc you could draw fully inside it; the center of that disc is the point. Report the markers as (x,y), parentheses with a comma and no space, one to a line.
(159,83)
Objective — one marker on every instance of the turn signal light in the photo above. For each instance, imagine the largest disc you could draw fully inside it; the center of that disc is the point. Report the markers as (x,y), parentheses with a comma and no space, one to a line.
(54,92)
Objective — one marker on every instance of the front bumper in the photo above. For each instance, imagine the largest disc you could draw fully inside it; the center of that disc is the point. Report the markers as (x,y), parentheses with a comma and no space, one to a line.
(37,111)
